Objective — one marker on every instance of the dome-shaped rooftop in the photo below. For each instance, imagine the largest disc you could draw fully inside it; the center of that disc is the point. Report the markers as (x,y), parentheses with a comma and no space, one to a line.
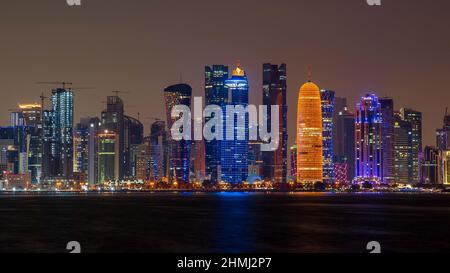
(309,86)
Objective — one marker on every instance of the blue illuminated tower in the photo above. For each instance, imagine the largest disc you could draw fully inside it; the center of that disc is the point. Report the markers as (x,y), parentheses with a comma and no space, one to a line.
(63,111)
(234,153)
(327,97)
(368,141)
(215,93)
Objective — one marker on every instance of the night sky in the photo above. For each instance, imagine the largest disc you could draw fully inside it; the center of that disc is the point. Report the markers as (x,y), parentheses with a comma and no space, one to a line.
(401,49)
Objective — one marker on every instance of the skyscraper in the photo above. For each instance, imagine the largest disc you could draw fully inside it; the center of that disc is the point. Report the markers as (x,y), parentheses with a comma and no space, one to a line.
(429,166)
(275,93)
(31,114)
(108,160)
(327,97)
(403,150)
(309,135)
(234,153)
(179,151)
(368,140)
(444,167)
(63,119)
(415,118)
(387,115)
(93,143)
(345,142)
(112,119)
(159,162)
(81,148)
(134,137)
(216,93)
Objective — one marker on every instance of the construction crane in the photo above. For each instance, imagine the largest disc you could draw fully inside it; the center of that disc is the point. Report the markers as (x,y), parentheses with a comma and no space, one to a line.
(120,92)
(63,84)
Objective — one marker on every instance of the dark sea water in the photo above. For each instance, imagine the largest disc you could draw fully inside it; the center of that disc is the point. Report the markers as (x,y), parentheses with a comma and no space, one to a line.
(225,222)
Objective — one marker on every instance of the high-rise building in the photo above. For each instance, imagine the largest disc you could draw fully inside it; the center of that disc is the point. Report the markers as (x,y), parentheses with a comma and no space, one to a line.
(31,114)
(159,161)
(108,160)
(112,119)
(444,167)
(309,135)
(179,151)
(81,148)
(198,159)
(387,116)
(415,118)
(368,141)
(340,104)
(94,130)
(429,166)
(403,150)
(63,120)
(48,155)
(134,137)
(327,97)
(143,159)
(345,141)
(275,93)
(216,93)
(234,153)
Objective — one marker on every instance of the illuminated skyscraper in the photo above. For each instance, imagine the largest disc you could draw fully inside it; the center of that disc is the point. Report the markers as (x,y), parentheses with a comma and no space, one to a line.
(445,167)
(368,140)
(179,151)
(31,114)
(159,160)
(216,93)
(112,119)
(403,150)
(134,137)
(81,148)
(108,160)
(63,119)
(309,135)
(275,93)
(415,118)
(387,115)
(327,97)
(293,156)
(234,153)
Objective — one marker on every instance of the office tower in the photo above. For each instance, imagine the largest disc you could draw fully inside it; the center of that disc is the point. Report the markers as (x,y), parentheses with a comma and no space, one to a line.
(179,151)
(415,118)
(16,119)
(108,159)
(143,159)
(444,167)
(32,119)
(345,141)
(309,135)
(216,93)
(234,153)
(368,141)
(112,119)
(81,149)
(134,136)
(327,97)
(339,105)
(159,147)
(94,129)
(63,119)
(293,156)
(255,160)
(387,116)
(48,155)
(429,166)
(275,93)
(443,134)
(13,157)
(403,150)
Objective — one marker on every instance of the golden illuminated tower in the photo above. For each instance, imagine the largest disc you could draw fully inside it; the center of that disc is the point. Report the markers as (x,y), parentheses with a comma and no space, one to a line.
(309,135)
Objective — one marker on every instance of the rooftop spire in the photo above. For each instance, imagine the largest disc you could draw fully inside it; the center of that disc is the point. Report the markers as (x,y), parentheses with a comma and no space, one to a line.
(309,74)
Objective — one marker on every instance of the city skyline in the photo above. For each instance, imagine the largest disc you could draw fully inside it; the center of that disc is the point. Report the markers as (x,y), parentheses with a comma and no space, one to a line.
(378,62)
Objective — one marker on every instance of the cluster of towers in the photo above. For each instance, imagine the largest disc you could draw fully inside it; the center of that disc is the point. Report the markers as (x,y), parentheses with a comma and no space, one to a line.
(374,144)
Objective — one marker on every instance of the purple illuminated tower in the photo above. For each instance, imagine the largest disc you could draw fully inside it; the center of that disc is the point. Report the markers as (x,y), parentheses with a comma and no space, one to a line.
(368,141)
